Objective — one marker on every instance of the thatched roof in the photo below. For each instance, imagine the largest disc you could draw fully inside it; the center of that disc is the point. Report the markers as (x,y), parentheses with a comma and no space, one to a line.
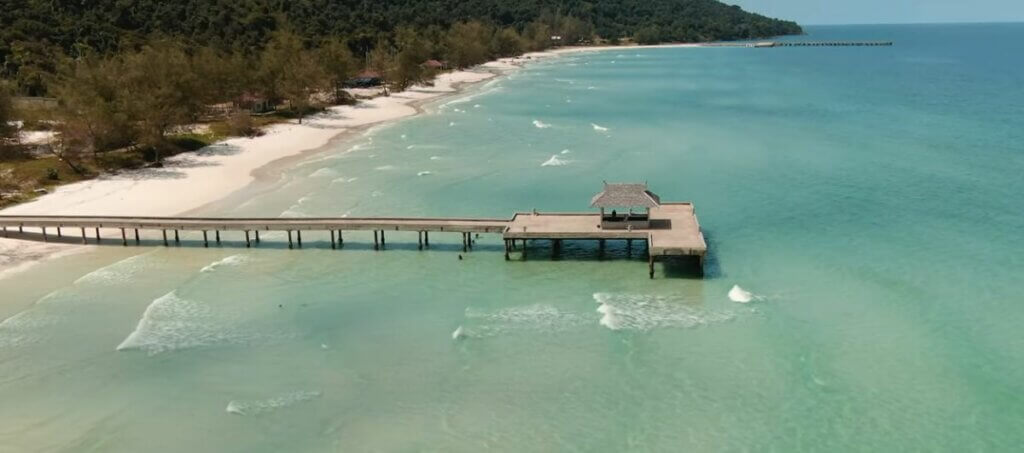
(625,195)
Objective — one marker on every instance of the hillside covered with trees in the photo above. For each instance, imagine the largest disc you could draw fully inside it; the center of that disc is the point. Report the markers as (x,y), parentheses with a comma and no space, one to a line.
(123,83)
(34,33)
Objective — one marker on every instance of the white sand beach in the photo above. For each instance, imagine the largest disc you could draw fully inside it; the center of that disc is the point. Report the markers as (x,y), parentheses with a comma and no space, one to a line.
(191,180)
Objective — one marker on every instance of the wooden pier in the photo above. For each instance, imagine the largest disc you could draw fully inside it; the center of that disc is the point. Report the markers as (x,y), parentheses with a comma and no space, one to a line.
(822,44)
(771,44)
(669,229)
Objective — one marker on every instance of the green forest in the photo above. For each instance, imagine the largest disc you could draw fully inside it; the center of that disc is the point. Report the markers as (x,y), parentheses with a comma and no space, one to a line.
(119,83)
(35,33)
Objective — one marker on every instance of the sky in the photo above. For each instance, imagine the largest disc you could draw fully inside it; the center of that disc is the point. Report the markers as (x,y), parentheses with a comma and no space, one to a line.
(815,12)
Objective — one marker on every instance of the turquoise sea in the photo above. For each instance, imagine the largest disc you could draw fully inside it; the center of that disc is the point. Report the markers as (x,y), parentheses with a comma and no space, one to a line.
(869,199)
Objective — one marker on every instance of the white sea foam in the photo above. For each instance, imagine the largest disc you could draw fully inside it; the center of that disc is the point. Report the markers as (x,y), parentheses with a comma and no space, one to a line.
(435,157)
(565,151)
(646,312)
(424,173)
(451,124)
(458,334)
(256,407)
(555,161)
(24,327)
(599,128)
(476,106)
(737,294)
(403,136)
(591,87)
(324,173)
(170,323)
(293,212)
(385,167)
(569,81)
(525,318)
(540,124)
(123,271)
(232,260)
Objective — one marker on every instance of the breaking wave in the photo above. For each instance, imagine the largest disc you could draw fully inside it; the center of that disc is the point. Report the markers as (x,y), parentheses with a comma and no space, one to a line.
(540,124)
(737,294)
(555,161)
(646,312)
(526,318)
(324,173)
(424,173)
(599,128)
(123,271)
(256,407)
(232,260)
(171,322)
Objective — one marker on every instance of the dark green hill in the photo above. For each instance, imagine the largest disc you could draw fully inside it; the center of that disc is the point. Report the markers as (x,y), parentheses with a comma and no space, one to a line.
(33,32)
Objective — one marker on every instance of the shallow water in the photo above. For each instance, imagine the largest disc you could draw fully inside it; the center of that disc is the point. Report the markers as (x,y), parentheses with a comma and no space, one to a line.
(862,207)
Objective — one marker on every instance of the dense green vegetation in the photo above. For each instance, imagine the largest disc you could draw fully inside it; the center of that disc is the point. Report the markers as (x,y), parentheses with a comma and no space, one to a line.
(34,32)
(131,76)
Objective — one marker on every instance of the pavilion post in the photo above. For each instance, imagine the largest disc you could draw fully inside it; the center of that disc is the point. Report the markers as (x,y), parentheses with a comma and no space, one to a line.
(59,234)
(45,239)
(177,240)
(97,235)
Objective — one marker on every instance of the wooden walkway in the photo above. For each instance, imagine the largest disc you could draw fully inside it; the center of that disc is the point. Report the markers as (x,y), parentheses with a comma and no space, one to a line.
(674,229)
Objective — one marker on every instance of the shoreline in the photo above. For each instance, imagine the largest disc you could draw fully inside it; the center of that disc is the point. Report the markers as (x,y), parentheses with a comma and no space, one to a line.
(194,181)
(214,175)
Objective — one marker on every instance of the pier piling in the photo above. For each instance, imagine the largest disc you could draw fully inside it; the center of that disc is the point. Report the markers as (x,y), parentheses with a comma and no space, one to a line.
(124,237)
(84,241)
(206,240)
(333,244)
(247,243)
(164,232)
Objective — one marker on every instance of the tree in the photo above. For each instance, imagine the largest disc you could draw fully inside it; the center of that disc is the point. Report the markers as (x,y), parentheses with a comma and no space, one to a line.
(290,71)
(468,44)
(507,43)
(337,63)
(160,91)
(408,69)
(8,133)
(92,105)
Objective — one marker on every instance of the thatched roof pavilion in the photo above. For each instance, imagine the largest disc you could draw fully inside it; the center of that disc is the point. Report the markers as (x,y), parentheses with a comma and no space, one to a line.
(625,196)
(628,197)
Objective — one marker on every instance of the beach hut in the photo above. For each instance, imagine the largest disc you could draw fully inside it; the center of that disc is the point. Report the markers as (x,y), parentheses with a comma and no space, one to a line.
(365,79)
(434,65)
(625,206)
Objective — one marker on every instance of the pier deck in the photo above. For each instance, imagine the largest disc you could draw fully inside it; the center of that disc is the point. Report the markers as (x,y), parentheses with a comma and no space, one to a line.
(674,230)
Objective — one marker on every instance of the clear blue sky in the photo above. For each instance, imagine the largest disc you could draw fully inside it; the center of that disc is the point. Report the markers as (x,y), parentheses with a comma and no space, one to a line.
(813,12)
